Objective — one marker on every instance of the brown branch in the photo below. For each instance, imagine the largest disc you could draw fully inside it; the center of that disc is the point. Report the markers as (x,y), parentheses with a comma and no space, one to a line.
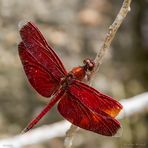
(112,32)
(99,58)
(70,135)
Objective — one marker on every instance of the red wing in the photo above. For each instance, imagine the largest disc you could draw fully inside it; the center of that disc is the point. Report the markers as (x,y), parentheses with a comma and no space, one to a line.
(39,77)
(41,64)
(93,99)
(38,47)
(75,112)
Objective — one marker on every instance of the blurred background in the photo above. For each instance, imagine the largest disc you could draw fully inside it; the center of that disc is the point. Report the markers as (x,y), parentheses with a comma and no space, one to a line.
(76,29)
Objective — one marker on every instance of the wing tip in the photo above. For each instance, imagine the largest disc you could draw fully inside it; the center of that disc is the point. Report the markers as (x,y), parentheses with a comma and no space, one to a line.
(24,24)
(114,127)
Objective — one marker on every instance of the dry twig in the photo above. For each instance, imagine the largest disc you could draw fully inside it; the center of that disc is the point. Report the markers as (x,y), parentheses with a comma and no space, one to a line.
(98,60)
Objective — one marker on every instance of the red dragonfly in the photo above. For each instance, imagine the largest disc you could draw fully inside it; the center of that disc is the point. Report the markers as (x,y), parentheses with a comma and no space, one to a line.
(79,103)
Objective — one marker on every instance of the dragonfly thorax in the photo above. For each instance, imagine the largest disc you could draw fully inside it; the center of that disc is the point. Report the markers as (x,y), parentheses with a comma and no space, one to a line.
(77,73)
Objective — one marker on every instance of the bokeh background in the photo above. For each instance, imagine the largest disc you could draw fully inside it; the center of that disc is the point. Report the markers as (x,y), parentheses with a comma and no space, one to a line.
(76,29)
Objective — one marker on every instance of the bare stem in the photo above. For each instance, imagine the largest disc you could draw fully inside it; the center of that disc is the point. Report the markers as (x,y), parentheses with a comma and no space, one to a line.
(112,32)
(69,136)
(125,8)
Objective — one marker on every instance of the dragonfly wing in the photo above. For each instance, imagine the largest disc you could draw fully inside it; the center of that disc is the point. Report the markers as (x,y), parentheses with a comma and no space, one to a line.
(41,79)
(34,41)
(94,99)
(41,64)
(75,112)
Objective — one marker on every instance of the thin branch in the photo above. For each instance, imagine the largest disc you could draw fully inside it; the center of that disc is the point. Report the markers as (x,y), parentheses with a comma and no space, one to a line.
(112,32)
(36,135)
(70,135)
(99,58)
(131,106)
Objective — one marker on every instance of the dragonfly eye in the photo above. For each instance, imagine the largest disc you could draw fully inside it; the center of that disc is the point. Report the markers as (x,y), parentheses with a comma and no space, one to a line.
(89,64)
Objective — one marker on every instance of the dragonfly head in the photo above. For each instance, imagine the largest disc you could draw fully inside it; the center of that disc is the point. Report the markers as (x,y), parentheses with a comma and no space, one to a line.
(88,64)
